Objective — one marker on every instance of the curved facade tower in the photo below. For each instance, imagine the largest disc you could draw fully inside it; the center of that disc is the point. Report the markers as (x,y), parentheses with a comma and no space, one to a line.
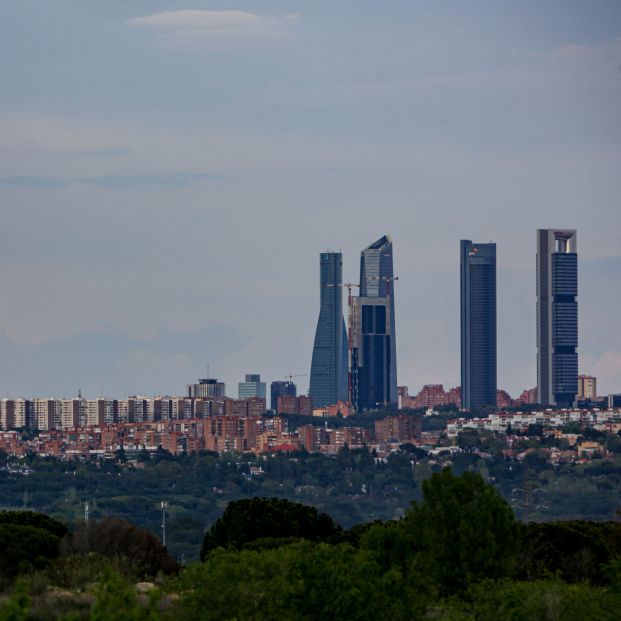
(374,354)
(328,378)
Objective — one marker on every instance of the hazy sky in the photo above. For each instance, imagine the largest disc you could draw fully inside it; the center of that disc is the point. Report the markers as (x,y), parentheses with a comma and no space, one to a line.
(170,172)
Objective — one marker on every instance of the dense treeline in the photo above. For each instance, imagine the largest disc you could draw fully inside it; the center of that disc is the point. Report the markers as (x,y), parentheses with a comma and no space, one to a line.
(353,487)
(457,554)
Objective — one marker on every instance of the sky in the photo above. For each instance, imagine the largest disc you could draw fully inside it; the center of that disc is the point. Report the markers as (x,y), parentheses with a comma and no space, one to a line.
(171,170)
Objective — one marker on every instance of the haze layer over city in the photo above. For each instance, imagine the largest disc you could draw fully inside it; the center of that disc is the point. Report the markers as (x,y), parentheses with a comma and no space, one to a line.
(170,173)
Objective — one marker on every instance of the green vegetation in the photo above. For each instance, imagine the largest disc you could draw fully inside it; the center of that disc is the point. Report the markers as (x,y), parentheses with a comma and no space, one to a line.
(353,487)
(457,555)
(260,519)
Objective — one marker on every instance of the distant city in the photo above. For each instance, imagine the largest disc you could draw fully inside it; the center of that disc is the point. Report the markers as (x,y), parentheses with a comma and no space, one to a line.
(353,370)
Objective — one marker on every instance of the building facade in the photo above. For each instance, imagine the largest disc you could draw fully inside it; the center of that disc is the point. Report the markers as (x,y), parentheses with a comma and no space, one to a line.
(478,324)
(372,330)
(207,388)
(328,377)
(281,388)
(587,388)
(251,387)
(557,317)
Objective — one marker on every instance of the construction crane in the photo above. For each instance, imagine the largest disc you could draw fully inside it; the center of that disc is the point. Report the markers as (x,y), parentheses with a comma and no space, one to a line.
(349,286)
(290,376)
(388,280)
(350,342)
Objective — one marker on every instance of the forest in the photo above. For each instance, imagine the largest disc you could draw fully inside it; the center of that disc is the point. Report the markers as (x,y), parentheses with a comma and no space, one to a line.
(353,486)
(457,554)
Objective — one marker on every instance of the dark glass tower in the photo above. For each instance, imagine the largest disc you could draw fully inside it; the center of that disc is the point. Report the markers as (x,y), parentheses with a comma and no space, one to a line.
(374,356)
(328,378)
(557,317)
(478,324)
(281,389)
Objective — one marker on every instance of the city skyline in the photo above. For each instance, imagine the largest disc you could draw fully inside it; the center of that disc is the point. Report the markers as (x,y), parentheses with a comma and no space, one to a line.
(377,279)
(164,198)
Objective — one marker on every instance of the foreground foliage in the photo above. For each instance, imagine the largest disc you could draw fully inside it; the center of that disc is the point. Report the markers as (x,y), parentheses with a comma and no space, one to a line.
(457,555)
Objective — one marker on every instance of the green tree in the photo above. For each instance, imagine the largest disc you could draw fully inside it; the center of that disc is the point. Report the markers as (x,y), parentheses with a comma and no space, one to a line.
(245,521)
(298,582)
(463,531)
(544,600)
(576,550)
(15,608)
(114,538)
(38,520)
(24,546)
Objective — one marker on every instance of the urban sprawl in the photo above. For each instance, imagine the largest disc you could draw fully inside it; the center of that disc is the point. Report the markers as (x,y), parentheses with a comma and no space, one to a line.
(354,370)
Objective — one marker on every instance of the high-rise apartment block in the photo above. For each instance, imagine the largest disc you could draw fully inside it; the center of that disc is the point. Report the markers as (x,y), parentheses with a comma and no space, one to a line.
(587,388)
(207,388)
(328,378)
(294,405)
(478,324)
(251,387)
(73,413)
(372,330)
(557,317)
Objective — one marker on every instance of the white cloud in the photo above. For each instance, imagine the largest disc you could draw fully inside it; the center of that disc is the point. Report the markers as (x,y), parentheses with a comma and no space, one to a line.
(217,29)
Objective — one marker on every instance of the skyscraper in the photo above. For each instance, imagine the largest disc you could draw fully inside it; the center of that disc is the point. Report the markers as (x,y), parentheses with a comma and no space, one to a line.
(281,388)
(478,324)
(328,378)
(251,387)
(206,388)
(374,359)
(557,317)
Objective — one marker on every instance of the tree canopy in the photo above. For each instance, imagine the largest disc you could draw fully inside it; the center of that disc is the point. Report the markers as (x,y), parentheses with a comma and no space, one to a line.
(462,530)
(248,520)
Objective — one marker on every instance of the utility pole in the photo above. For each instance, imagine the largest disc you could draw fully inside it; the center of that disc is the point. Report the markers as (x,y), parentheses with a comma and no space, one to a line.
(164,506)
(86,511)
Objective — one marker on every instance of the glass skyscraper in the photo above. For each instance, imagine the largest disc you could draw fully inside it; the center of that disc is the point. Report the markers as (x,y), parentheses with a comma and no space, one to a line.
(374,356)
(251,387)
(478,324)
(281,388)
(557,317)
(328,378)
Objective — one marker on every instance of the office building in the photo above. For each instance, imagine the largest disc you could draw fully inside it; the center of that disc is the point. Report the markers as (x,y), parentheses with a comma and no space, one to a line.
(373,356)
(557,317)
(614,401)
(587,388)
(206,388)
(281,389)
(478,324)
(251,387)
(328,378)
